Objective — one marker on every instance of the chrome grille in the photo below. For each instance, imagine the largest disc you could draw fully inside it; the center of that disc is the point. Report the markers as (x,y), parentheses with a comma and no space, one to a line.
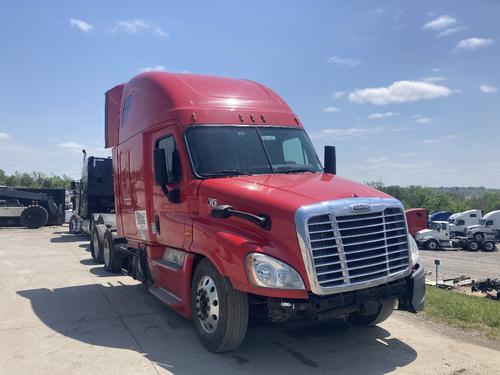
(358,248)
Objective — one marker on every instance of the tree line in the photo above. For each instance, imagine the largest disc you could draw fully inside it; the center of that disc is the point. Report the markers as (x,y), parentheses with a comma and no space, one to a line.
(412,196)
(435,199)
(34,180)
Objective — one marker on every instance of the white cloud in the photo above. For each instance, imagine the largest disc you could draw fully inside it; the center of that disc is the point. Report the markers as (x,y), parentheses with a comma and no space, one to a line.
(410,154)
(71,146)
(153,68)
(488,89)
(399,92)
(376,116)
(440,23)
(434,79)
(82,25)
(422,119)
(431,141)
(339,94)
(4,136)
(339,61)
(474,43)
(331,109)
(137,26)
(451,31)
(349,133)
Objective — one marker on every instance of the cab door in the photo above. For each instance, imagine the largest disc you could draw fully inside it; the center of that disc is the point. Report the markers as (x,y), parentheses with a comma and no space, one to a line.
(169,200)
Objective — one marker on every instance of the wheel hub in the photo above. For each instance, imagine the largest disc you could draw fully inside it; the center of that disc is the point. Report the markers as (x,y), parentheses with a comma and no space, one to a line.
(207,304)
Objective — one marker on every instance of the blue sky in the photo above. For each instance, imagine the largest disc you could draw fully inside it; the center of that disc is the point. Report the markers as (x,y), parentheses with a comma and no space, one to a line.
(406,91)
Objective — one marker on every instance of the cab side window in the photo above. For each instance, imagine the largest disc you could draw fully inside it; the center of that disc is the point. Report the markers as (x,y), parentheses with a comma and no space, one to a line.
(460,222)
(172,160)
(489,223)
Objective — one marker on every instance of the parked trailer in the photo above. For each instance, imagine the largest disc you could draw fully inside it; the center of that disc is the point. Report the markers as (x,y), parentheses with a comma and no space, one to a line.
(93,203)
(223,208)
(33,208)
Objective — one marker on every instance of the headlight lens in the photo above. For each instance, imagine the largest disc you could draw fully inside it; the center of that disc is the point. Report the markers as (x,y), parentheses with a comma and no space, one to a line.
(413,250)
(268,272)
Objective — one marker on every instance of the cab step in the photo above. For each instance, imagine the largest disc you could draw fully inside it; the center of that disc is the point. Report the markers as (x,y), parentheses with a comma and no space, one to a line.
(164,296)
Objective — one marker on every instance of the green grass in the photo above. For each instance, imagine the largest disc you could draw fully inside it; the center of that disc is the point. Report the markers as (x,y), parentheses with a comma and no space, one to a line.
(463,311)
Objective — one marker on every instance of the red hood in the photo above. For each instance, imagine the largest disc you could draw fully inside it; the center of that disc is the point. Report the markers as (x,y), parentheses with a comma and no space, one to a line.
(288,191)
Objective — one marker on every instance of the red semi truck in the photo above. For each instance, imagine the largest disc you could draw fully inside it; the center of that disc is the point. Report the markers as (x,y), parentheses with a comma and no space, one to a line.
(416,219)
(223,209)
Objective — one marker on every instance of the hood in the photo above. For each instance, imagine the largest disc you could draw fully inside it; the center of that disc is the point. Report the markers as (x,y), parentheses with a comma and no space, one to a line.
(424,232)
(288,191)
(473,227)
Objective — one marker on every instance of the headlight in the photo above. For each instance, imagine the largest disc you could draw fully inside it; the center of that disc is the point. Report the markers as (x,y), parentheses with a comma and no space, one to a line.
(268,272)
(413,250)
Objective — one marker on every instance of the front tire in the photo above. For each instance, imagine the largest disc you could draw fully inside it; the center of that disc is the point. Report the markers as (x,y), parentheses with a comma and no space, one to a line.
(219,312)
(384,312)
(96,240)
(479,236)
(432,244)
(73,225)
(112,260)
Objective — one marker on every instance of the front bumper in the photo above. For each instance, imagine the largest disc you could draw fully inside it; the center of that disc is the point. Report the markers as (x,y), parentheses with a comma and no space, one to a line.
(410,292)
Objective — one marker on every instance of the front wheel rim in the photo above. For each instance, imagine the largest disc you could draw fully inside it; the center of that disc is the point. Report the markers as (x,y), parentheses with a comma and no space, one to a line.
(207,304)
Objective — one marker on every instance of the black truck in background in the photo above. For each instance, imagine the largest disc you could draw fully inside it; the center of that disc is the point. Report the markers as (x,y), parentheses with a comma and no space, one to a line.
(93,202)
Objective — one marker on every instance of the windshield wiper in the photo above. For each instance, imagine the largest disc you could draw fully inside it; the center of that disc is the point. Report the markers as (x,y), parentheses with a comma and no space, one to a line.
(296,170)
(225,172)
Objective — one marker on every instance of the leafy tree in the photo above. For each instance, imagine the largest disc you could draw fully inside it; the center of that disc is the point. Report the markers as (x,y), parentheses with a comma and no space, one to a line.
(443,199)
(34,180)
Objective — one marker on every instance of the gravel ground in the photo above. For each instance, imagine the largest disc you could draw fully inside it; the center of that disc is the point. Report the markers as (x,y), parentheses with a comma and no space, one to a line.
(478,265)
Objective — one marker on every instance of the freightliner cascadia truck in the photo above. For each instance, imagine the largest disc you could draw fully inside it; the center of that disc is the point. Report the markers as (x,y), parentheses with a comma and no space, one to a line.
(223,209)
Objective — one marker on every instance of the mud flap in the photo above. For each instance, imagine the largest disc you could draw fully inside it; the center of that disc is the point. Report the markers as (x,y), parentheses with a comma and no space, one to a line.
(415,297)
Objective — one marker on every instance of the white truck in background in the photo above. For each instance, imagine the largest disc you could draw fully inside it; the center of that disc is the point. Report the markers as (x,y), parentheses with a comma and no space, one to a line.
(460,221)
(434,238)
(489,224)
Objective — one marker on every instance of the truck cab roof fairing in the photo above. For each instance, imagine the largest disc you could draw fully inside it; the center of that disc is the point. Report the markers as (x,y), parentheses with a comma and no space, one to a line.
(155,97)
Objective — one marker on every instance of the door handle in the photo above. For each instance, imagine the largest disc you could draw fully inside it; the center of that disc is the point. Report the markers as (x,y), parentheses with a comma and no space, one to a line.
(157,224)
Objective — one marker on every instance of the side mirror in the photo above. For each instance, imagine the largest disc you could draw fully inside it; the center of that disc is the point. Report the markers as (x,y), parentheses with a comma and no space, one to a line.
(330,164)
(160,167)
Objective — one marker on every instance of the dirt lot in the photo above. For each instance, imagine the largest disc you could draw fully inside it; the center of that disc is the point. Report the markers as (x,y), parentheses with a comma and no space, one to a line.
(62,314)
(478,265)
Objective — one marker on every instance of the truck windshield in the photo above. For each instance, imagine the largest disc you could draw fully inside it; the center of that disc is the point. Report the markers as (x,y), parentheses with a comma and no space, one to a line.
(218,151)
